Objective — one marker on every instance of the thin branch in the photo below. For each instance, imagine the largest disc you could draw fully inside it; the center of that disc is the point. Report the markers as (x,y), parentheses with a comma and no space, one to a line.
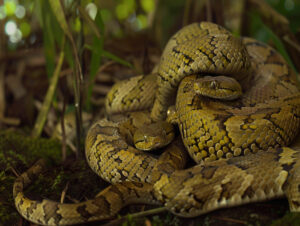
(208,11)
(231,220)
(291,43)
(64,192)
(78,77)
(10,121)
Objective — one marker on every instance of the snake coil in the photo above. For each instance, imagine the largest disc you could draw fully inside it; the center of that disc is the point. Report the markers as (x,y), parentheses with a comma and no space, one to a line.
(264,120)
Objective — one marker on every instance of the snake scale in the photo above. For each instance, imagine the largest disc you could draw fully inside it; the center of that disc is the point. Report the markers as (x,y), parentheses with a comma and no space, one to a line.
(221,135)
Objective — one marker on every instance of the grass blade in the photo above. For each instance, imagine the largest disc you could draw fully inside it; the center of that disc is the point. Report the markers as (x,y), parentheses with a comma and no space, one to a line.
(41,119)
(113,57)
(78,77)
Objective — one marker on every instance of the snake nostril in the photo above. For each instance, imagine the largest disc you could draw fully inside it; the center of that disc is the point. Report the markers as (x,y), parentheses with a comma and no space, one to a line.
(213,84)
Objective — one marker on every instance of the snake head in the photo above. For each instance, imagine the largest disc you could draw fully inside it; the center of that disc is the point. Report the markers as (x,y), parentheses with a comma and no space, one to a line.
(218,87)
(153,136)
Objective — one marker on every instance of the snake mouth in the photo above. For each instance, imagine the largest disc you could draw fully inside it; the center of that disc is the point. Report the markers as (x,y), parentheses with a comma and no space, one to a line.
(151,143)
(154,143)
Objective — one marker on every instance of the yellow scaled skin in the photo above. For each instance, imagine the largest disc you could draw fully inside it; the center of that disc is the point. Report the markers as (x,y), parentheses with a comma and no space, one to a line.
(263,120)
(153,136)
(198,48)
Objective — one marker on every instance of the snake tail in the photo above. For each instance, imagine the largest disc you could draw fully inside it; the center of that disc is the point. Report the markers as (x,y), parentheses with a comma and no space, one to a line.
(104,206)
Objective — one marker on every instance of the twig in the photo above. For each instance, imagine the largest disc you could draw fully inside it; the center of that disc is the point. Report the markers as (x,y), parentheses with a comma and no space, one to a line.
(101,89)
(41,119)
(72,199)
(2,71)
(269,14)
(291,43)
(208,11)
(15,55)
(78,77)
(102,68)
(14,172)
(280,26)
(89,21)
(2,90)
(151,15)
(64,192)
(10,121)
(197,10)
(236,221)
(63,133)
(136,215)
(186,12)
(98,101)
(105,65)
(66,72)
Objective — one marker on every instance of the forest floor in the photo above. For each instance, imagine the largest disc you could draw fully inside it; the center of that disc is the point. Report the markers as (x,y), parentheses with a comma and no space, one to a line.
(19,151)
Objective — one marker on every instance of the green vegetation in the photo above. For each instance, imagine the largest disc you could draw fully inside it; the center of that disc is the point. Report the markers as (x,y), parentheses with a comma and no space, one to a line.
(78,40)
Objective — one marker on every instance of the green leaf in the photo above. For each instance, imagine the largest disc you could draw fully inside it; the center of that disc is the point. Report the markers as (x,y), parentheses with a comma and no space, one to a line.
(279,46)
(97,49)
(111,56)
(116,58)
(69,55)
(97,46)
(52,33)
(263,33)
(60,16)
(42,117)
(48,38)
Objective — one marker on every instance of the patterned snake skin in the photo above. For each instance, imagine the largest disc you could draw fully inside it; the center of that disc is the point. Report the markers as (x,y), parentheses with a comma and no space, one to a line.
(264,120)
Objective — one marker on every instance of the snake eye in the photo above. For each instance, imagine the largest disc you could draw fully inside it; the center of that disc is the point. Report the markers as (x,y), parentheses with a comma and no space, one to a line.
(146,139)
(213,84)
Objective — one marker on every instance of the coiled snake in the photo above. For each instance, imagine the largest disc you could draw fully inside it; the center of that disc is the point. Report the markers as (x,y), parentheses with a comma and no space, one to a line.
(263,120)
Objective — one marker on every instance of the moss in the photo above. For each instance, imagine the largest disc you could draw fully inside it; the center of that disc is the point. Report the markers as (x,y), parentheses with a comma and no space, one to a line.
(19,151)
(7,210)
(18,148)
(289,219)
(167,219)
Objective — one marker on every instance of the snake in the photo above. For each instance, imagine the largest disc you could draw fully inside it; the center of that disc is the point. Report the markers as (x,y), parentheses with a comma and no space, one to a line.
(239,141)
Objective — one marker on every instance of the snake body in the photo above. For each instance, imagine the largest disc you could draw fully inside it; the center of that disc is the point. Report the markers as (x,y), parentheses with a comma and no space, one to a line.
(198,48)
(263,121)
(132,94)
(265,117)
